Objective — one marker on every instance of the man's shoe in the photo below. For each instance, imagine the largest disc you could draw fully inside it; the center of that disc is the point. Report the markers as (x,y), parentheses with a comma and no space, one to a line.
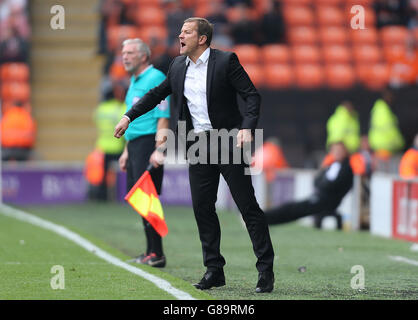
(138,259)
(154,261)
(211,279)
(265,282)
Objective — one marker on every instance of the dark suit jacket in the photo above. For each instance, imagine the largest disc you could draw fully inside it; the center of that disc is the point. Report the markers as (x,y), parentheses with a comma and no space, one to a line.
(333,192)
(225,78)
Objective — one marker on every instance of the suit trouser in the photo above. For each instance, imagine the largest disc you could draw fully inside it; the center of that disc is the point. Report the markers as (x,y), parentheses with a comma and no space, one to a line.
(292,211)
(204,181)
(139,152)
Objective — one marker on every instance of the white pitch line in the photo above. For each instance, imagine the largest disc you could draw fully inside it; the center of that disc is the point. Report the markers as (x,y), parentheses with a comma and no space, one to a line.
(76,238)
(403,259)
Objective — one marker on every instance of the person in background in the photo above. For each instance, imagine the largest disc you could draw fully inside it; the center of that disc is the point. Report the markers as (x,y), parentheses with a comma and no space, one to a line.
(106,116)
(13,47)
(344,125)
(141,147)
(331,184)
(244,30)
(408,167)
(363,161)
(18,133)
(384,135)
(391,12)
(272,24)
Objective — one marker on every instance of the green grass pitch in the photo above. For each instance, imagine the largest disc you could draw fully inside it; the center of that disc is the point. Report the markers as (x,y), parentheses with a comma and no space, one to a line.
(327,255)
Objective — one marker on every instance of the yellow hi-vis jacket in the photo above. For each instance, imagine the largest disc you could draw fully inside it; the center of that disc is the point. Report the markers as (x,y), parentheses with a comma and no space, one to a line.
(384,134)
(344,126)
(107,116)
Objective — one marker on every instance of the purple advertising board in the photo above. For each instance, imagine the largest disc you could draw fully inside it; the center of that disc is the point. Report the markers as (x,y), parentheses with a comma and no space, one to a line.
(281,190)
(39,186)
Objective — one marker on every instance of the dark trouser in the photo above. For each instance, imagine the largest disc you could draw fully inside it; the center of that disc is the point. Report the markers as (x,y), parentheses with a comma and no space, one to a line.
(204,181)
(103,188)
(292,211)
(139,152)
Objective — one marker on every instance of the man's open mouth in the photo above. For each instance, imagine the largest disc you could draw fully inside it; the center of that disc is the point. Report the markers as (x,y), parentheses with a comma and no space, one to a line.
(182,44)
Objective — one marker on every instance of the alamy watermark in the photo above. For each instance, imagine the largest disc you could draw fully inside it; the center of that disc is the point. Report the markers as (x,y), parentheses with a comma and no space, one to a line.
(58,280)
(358,281)
(358,20)
(57,21)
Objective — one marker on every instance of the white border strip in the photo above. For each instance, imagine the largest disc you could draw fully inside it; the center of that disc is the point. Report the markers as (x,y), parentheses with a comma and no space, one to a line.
(74,237)
(403,259)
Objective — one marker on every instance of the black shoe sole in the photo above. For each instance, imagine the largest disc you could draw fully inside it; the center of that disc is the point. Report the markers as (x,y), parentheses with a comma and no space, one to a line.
(264,290)
(217,285)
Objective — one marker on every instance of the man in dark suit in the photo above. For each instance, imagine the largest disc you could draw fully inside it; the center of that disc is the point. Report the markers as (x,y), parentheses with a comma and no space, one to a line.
(331,185)
(203,84)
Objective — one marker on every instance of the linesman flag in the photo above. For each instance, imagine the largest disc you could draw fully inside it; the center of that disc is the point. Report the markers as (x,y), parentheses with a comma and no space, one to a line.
(144,199)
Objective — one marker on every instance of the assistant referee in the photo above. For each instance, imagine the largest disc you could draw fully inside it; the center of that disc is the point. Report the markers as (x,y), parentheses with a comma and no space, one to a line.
(141,147)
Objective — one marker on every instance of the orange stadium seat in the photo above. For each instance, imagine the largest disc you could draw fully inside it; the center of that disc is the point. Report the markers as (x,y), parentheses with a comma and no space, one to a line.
(394,53)
(261,6)
(14,71)
(306,54)
(203,10)
(339,76)
(298,15)
(379,76)
(367,54)
(150,33)
(330,16)
(255,72)
(117,34)
(373,76)
(333,35)
(150,16)
(392,35)
(360,2)
(302,35)
(298,2)
(233,14)
(308,76)
(364,36)
(277,76)
(15,91)
(329,2)
(275,53)
(336,54)
(143,3)
(187,4)
(247,53)
(415,34)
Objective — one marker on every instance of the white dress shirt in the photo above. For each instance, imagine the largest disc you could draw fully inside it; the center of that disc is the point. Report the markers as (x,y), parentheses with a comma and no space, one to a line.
(195,92)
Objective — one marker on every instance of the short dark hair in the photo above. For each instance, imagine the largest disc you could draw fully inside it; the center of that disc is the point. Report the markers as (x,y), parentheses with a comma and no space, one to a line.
(204,28)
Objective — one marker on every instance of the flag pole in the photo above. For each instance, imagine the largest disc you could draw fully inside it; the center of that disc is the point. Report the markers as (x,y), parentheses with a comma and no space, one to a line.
(150,167)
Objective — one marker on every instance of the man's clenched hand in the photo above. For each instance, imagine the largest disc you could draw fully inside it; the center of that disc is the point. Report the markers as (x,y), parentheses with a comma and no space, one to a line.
(121,127)
(244,136)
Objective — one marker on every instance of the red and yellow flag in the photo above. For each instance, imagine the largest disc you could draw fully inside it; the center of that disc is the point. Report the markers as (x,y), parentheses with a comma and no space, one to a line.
(144,199)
